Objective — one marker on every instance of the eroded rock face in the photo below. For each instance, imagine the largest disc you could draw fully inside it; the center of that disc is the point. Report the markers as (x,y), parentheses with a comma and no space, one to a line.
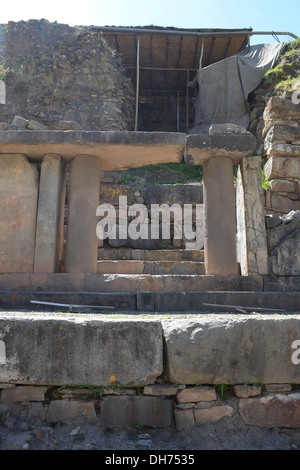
(283,244)
(64,78)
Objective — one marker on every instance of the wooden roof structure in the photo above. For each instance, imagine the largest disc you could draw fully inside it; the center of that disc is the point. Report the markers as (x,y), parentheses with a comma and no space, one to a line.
(162,61)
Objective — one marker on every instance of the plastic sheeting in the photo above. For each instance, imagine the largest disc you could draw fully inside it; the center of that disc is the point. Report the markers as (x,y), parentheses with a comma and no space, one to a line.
(224,86)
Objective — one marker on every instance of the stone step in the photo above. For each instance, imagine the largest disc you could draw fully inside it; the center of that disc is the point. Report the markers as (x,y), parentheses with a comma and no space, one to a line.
(150,267)
(170,283)
(155,302)
(150,255)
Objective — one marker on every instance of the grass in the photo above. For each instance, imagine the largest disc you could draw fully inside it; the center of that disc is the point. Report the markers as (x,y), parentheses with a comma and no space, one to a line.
(171,173)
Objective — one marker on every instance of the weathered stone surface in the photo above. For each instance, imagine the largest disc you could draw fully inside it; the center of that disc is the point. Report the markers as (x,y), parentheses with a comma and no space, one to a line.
(18,208)
(282,167)
(283,150)
(184,418)
(227,128)
(117,150)
(231,349)
(276,388)
(283,243)
(141,410)
(271,411)
(80,350)
(202,147)
(160,390)
(174,194)
(219,208)
(65,410)
(196,394)
(49,226)
(245,391)
(83,200)
(24,393)
(284,204)
(279,185)
(213,414)
(251,230)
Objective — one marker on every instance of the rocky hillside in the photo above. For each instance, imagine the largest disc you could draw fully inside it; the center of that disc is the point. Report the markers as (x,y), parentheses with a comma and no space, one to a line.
(55,73)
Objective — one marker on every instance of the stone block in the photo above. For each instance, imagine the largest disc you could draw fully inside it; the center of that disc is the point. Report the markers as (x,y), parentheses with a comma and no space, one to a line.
(174,194)
(231,349)
(184,418)
(283,204)
(279,185)
(245,391)
(213,414)
(196,394)
(78,350)
(251,229)
(282,167)
(50,214)
(64,411)
(160,390)
(271,411)
(276,388)
(137,410)
(18,208)
(24,393)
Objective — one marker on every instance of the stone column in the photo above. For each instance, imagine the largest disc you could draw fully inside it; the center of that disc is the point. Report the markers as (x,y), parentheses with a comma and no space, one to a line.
(50,214)
(83,200)
(219,217)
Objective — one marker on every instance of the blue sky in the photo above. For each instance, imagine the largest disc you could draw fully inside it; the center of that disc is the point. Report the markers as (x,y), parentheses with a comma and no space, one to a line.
(261,15)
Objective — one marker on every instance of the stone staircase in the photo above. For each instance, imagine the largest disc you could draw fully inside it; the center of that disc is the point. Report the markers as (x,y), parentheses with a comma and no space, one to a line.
(150,281)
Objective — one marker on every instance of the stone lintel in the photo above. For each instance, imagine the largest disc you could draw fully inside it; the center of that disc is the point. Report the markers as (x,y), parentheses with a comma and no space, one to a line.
(117,150)
(201,148)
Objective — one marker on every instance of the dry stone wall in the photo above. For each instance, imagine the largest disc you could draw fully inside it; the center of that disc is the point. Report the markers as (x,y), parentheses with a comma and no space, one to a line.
(62,77)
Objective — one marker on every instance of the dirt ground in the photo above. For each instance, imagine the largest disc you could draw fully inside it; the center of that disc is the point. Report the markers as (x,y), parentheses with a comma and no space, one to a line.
(227,434)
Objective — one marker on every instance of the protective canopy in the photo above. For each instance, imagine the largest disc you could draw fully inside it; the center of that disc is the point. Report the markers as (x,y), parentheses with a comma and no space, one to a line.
(224,86)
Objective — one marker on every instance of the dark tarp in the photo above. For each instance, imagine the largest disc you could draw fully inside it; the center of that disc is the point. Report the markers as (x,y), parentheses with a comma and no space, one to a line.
(225,85)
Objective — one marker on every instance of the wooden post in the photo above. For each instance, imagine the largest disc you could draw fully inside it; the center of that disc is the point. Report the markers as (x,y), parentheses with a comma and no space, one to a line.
(137,84)
(187,98)
(178,122)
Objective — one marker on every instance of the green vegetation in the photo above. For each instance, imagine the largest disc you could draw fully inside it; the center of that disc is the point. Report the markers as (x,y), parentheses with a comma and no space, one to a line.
(3,71)
(163,173)
(284,72)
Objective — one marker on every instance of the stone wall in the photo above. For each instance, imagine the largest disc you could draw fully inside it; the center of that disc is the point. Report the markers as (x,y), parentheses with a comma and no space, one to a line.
(249,370)
(63,77)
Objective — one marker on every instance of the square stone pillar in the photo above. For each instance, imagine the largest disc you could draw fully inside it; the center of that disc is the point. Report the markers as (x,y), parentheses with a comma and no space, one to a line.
(19,180)
(49,228)
(251,229)
(218,153)
(83,200)
(219,217)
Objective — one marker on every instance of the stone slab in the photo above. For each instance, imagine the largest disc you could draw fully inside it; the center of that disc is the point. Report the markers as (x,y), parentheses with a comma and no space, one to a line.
(149,267)
(137,410)
(170,283)
(151,255)
(272,411)
(232,349)
(282,167)
(251,229)
(117,150)
(201,148)
(18,209)
(80,350)
(49,216)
